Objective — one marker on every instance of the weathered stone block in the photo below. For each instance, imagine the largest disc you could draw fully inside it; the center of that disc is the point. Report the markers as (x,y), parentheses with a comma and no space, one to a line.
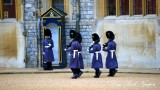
(90,12)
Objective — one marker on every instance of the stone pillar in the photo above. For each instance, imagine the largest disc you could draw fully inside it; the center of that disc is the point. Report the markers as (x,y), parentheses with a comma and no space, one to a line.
(87,28)
(30,17)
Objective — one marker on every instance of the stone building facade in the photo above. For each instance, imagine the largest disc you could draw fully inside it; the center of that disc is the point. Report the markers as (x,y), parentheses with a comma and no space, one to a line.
(137,36)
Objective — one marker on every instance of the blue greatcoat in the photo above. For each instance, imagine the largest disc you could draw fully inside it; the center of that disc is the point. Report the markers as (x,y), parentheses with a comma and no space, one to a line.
(96,62)
(81,58)
(74,60)
(111,62)
(48,52)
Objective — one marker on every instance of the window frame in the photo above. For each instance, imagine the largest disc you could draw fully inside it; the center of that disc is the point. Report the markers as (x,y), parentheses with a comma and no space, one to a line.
(125,7)
(152,8)
(134,9)
(9,3)
(108,6)
(9,7)
(131,9)
(17,10)
(66,5)
(59,5)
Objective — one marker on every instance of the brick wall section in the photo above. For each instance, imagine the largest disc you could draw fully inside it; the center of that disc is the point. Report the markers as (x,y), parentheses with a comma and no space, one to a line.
(86,27)
(31,29)
(87,9)
(86,32)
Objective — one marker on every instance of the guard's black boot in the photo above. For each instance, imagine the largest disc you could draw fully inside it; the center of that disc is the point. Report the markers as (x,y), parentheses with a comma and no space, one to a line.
(114,72)
(96,75)
(74,76)
(51,68)
(99,74)
(110,73)
(80,73)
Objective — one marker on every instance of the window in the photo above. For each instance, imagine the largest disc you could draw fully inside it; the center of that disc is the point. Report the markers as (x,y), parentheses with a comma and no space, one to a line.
(124,7)
(111,7)
(137,7)
(9,9)
(8,2)
(151,6)
(59,4)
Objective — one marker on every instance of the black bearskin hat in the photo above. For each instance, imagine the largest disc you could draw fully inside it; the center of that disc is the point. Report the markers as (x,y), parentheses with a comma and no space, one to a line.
(47,32)
(79,37)
(110,35)
(95,37)
(73,34)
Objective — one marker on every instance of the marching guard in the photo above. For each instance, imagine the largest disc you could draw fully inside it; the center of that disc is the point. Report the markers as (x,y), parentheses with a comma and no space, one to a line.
(73,48)
(97,57)
(79,38)
(111,59)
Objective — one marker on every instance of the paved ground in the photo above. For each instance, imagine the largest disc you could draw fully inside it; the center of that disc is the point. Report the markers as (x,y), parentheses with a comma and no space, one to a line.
(62,81)
(67,70)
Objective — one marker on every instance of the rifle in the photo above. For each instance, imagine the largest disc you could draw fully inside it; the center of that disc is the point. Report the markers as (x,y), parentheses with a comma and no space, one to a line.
(67,46)
(105,45)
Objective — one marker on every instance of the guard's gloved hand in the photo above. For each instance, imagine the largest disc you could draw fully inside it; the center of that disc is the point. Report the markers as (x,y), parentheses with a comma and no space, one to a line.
(49,44)
(65,49)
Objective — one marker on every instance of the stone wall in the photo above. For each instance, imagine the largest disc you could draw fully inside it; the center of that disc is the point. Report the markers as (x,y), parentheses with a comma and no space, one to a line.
(86,32)
(86,27)
(135,38)
(31,30)
(89,25)
(87,9)
(142,39)
(12,44)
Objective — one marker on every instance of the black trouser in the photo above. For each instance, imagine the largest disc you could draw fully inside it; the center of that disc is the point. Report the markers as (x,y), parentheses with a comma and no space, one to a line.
(75,71)
(97,71)
(78,71)
(111,71)
(49,66)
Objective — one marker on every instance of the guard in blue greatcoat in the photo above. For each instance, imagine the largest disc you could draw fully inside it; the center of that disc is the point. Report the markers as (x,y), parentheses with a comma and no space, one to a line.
(97,57)
(73,48)
(79,38)
(111,59)
(47,50)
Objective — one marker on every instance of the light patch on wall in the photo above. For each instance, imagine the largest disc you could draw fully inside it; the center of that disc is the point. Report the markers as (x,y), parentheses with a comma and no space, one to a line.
(8,38)
(132,34)
(135,41)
